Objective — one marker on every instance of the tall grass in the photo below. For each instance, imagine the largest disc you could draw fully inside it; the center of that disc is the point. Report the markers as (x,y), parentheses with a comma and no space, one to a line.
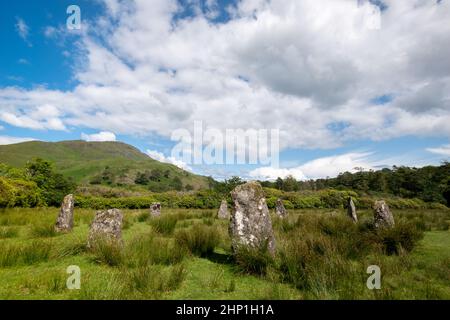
(24,254)
(8,232)
(43,230)
(152,281)
(147,249)
(164,224)
(107,251)
(200,240)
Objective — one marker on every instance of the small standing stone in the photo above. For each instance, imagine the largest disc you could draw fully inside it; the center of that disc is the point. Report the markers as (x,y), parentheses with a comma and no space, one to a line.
(351,210)
(280,210)
(107,225)
(223,210)
(382,215)
(155,209)
(64,222)
(250,224)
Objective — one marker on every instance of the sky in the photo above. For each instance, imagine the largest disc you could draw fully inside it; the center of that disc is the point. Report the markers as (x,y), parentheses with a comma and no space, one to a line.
(347,84)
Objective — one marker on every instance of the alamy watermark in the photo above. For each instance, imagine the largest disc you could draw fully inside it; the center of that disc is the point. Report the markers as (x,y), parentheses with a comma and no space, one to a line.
(374,281)
(73,22)
(74,280)
(212,146)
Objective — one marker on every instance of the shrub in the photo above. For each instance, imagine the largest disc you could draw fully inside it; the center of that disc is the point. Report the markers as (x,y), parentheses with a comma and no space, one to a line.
(200,240)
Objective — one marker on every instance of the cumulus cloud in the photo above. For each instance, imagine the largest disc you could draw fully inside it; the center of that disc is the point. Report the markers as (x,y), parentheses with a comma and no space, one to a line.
(318,168)
(444,150)
(101,136)
(12,140)
(304,67)
(40,117)
(159,156)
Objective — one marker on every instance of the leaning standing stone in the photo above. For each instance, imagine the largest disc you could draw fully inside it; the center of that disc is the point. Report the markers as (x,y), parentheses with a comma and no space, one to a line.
(223,210)
(107,226)
(64,222)
(250,224)
(155,209)
(280,210)
(382,215)
(351,210)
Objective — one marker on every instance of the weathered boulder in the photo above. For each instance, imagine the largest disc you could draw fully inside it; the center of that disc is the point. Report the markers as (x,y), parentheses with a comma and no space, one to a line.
(250,224)
(351,210)
(64,222)
(107,226)
(382,215)
(280,210)
(155,209)
(223,210)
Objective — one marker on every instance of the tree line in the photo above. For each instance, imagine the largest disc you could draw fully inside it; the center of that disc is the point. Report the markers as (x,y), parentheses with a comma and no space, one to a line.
(430,183)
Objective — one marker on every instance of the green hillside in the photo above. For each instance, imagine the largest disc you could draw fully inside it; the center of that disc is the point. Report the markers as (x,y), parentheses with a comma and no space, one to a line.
(113,163)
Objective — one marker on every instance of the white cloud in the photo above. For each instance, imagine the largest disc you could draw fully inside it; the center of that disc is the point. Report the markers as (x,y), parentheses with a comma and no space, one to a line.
(444,150)
(22,29)
(40,117)
(12,140)
(318,168)
(101,136)
(300,66)
(156,155)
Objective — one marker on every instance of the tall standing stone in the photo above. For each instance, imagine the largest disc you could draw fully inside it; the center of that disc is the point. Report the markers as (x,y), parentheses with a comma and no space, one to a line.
(280,210)
(155,209)
(107,226)
(382,215)
(351,210)
(250,224)
(223,210)
(64,222)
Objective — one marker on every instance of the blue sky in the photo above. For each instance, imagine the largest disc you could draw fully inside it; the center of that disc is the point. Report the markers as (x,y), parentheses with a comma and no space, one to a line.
(342,92)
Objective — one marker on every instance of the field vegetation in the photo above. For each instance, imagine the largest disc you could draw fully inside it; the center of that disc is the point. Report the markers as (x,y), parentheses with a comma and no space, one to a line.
(186,254)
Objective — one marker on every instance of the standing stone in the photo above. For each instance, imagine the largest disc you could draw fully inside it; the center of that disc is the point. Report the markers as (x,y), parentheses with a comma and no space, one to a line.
(382,215)
(64,222)
(223,210)
(280,210)
(351,210)
(250,224)
(107,226)
(155,209)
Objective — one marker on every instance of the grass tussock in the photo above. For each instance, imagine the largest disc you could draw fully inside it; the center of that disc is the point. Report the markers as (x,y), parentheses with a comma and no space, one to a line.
(43,230)
(108,252)
(24,254)
(164,224)
(200,240)
(150,249)
(153,281)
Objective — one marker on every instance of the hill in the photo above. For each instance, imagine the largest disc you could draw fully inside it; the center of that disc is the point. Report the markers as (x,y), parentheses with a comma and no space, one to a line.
(107,163)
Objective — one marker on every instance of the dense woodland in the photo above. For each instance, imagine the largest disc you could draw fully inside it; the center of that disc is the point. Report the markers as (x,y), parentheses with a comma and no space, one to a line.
(430,184)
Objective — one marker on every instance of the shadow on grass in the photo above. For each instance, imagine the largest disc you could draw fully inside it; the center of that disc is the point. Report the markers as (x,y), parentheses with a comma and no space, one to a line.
(221,258)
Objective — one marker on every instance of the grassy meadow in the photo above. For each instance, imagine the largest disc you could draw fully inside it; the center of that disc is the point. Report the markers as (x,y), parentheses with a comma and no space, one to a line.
(185,254)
